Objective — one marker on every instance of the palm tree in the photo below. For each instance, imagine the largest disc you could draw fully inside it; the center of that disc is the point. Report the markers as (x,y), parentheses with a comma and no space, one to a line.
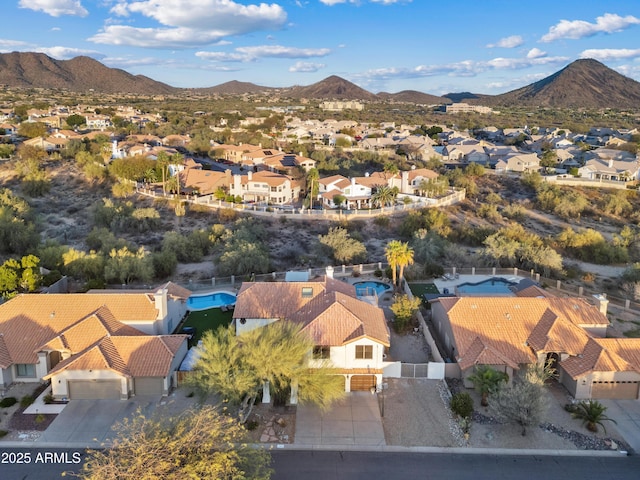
(592,413)
(384,196)
(487,380)
(399,255)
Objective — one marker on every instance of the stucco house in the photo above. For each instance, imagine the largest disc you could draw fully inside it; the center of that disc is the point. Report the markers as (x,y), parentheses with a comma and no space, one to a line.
(351,333)
(93,345)
(509,333)
(265,186)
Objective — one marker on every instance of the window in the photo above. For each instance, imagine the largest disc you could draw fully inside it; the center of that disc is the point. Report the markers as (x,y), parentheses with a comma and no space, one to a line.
(307,292)
(364,351)
(321,352)
(26,370)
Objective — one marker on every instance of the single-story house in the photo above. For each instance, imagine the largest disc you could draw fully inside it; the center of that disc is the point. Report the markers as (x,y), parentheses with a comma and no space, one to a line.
(509,333)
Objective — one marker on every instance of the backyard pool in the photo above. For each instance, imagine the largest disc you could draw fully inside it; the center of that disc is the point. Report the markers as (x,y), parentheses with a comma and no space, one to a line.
(210,300)
(367,288)
(490,286)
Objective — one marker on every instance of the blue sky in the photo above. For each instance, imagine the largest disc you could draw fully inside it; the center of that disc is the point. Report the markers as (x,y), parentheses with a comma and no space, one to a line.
(482,46)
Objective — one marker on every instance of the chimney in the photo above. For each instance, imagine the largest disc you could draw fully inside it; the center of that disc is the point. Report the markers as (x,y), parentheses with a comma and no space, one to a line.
(611,163)
(249,175)
(602,302)
(329,271)
(160,298)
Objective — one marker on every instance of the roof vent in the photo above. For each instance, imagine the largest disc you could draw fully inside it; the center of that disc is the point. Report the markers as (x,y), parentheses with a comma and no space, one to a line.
(52,314)
(508,315)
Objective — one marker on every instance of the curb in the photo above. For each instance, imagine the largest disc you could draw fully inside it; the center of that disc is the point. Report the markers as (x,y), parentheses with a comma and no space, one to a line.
(367,448)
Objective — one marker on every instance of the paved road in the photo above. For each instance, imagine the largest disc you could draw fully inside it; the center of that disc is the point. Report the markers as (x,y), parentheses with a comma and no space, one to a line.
(45,464)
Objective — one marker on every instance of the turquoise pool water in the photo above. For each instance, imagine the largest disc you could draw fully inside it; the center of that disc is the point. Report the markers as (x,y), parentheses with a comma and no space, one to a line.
(210,300)
(491,285)
(367,288)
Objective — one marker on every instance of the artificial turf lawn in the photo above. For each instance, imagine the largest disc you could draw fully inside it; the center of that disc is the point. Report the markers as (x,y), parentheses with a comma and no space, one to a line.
(204,320)
(419,289)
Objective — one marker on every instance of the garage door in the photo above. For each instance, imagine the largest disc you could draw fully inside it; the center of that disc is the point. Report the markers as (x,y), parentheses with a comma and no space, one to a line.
(362,382)
(615,390)
(94,389)
(148,385)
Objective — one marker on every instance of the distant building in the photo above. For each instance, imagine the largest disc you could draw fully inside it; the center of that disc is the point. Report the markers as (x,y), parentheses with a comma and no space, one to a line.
(465,107)
(336,106)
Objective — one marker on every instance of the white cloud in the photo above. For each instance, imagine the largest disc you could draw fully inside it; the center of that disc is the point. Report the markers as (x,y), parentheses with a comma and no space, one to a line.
(188,23)
(6,43)
(55,8)
(250,54)
(575,29)
(536,53)
(610,53)
(508,42)
(65,53)
(306,67)
(465,68)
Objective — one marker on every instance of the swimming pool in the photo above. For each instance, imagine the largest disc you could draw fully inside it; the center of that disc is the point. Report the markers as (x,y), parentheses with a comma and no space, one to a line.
(210,300)
(490,286)
(367,288)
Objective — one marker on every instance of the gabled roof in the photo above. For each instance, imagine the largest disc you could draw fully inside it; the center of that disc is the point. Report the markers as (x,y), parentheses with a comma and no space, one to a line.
(30,321)
(597,358)
(481,353)
(89,330)
(513,326)
(281,299)
(336,319)
(131,356)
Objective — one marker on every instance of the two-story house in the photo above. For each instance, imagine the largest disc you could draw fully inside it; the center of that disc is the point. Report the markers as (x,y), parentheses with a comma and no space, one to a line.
(351,333)
(265,186)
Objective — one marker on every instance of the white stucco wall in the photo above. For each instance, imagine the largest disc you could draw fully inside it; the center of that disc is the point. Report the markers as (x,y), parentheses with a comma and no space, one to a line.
(59,382)
(252,324)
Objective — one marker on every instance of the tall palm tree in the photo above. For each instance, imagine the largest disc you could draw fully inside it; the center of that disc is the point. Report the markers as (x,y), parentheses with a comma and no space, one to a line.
(399,255)
(384,196)
(487,380)
(592,413)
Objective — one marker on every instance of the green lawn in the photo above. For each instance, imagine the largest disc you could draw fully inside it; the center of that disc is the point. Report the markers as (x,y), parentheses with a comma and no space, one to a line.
(205,320)
(419,289)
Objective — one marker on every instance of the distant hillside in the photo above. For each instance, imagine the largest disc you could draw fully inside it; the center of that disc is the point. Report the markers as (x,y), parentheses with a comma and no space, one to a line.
(332,87)
(413,96)
(463,96)
(584,83)
(234,87)
(80,74)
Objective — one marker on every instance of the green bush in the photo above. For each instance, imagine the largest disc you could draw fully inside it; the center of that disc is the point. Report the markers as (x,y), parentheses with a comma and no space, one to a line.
(3,433)
(8,402)
(48,398)
(26,401)
(462,404)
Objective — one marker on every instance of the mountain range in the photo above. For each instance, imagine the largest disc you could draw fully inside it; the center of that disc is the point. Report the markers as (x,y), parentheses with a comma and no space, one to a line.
(584,83)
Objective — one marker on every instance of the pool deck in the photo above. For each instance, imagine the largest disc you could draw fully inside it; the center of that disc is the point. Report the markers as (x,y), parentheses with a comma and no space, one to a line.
(441,283)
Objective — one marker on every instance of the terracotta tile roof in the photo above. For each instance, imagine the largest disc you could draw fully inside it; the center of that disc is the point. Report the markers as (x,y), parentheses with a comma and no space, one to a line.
(508,324)
(626,348)
(281,299)
(136,356)
(335,319)
(88,331)
(533,291)
(331,312)
(30,321)
(553,334)
(176,291)
(596,357)
(5,357)
(480,353)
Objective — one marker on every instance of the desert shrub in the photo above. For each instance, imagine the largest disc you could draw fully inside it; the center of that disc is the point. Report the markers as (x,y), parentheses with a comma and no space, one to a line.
(377,273)
(462,404)
(48,398)
(381,221)
(252,425)
(3,433)
(8,402)
(227,215)
(514,211)
(39,418)
(26,401)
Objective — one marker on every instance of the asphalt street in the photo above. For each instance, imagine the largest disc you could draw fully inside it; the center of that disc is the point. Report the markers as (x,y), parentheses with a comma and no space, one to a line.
(45,464)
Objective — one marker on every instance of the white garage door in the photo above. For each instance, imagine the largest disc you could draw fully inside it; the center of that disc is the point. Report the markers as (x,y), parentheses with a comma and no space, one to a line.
(94,389)
(149,385)
(615,390)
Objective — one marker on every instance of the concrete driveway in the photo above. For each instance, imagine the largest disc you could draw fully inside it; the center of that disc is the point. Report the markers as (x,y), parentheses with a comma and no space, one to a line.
(89,422)
(355,420)
(627,415)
